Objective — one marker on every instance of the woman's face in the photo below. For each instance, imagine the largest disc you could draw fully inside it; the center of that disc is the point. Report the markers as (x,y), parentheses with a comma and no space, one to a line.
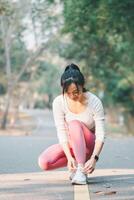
(73,93)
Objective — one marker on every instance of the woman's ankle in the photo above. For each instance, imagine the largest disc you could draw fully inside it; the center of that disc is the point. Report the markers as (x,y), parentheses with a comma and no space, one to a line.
(80,167)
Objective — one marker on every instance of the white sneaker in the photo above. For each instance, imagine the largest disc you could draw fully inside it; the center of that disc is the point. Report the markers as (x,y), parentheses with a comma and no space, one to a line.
(72,174)
(79,178)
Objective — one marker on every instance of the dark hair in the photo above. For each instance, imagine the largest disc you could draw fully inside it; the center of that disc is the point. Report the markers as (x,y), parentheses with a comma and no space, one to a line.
(72,74)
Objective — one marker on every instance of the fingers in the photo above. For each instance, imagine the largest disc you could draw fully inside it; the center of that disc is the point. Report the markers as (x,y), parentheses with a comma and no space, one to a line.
(90,171)
(73,163)
(72,166)
(89,168)
(69,166)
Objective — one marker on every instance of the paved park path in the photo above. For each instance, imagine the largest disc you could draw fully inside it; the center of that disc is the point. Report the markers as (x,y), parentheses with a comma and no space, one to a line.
(21,178)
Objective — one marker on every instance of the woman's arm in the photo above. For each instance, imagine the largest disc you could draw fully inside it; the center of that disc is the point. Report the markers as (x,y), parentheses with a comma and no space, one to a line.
(66,149)
(98,113)
(58,114)
(97,149)
(91,163)
(71,161)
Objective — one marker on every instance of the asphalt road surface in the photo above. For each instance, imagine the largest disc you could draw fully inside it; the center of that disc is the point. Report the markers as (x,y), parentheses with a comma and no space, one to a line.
(22,179)
(19,154)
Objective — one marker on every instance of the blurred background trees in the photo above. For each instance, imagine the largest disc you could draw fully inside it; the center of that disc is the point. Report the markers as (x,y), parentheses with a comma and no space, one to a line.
(102,39)
(27,30)
(39,37)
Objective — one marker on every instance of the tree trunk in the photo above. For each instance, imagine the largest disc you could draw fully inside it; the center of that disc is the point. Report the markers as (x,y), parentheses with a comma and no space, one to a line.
(7,44)
(5,115)
(49,104)
(129,122)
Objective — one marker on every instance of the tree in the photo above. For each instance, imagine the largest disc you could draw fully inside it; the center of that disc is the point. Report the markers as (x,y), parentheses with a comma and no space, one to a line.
(101,35)
(14,19)
(49,82)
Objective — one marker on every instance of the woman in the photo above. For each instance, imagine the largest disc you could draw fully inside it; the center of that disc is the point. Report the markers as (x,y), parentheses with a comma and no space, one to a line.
(79,119)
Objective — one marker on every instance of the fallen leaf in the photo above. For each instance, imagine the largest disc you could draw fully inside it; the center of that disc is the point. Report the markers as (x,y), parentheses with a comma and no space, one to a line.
(105,193)
(110,193)
(99,192)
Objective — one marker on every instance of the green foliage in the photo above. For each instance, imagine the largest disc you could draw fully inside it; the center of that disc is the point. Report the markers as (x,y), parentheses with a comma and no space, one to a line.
(19,54)
(40,104)
(102,39)
(2,89)
(2,62)
(6,7)
(48,77)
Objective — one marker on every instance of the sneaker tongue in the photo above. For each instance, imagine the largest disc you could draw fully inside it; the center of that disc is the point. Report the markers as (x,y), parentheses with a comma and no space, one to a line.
(80,168)
(81,165)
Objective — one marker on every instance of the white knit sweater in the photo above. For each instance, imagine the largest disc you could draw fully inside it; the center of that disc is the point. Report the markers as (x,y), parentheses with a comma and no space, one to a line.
(92,116)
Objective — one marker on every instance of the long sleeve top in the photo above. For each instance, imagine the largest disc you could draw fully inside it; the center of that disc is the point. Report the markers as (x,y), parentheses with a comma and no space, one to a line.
(92,116)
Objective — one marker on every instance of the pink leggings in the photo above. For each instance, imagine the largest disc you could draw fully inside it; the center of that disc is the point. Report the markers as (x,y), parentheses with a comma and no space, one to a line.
(81,142)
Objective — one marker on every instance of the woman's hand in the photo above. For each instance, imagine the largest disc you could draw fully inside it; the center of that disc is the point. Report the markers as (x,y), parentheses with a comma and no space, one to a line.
(89,166)
(71,164)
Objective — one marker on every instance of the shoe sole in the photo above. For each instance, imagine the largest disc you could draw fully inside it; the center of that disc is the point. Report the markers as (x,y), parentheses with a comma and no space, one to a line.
(78,183)
(71,177)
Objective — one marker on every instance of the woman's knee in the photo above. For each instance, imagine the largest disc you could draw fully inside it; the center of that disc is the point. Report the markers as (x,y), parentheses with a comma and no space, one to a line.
(43,163)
